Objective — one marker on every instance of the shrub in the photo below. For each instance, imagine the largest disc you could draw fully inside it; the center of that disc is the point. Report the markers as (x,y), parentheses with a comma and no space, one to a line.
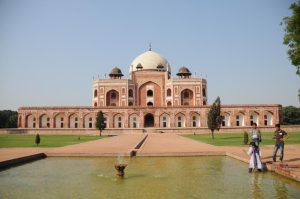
(37,139)
(246,137)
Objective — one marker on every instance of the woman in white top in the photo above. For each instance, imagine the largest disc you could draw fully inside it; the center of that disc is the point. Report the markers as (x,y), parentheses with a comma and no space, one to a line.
(255,134)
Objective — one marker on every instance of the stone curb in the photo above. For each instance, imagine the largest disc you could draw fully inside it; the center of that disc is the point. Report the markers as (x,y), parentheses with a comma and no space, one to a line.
(284,170)
(22,160)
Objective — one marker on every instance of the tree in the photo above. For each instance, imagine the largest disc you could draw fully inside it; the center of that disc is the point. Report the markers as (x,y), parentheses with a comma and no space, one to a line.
(37,139)
(100,122)
(13,120)
(214,118)
(291,115)
(292,36)
(8,119)
(246,137)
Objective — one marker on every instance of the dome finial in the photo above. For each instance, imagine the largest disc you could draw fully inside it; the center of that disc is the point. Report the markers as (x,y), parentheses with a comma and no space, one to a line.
(150,46)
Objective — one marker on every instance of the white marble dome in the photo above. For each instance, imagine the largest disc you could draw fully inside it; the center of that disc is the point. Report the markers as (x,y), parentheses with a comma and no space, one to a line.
(150,60)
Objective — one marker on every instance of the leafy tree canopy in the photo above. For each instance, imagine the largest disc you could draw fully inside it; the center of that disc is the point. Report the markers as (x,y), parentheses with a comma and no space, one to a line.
(291,115)
(8,119)
(292,35)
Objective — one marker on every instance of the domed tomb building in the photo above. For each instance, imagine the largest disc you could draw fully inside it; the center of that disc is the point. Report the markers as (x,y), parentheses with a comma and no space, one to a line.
(149,98)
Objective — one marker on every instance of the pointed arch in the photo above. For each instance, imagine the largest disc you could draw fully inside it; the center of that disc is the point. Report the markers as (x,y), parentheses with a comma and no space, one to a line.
(44,121)
(180,120)
(149,120)
(254,118)
(112,98)
(187,96)
(195,119)
(130,93)
(118,121)
(134,121)
(88,120)
(73,120)
(169,92)
(149,92)
(268,118)
(226,119)
(240,119)
(58,121)
(164,120)
(30,121)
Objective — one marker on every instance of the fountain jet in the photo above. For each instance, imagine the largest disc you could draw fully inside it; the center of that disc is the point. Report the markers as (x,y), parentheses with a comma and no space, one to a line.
(120,168)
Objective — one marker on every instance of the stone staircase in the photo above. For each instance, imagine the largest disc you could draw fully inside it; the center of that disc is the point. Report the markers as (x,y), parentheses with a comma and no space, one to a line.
(149,130)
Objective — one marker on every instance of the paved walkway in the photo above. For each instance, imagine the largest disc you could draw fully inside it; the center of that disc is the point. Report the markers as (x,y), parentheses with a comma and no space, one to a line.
(174,145)
(13,153)
(112,146)
(162,145)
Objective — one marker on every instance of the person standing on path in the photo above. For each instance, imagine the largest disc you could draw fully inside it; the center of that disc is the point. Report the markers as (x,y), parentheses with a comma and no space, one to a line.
(279,144)
(255,134)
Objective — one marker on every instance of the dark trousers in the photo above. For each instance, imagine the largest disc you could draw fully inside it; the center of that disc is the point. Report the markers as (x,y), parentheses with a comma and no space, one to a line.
(280,146)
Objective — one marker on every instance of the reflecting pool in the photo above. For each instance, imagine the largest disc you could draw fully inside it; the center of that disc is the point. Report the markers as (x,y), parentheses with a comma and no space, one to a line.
(151,177)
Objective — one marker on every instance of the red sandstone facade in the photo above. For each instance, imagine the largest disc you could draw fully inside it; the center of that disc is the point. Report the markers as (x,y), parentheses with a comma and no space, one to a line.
(149,98)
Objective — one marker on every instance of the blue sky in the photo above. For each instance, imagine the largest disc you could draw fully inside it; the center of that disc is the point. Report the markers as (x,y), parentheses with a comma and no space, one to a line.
(51,49)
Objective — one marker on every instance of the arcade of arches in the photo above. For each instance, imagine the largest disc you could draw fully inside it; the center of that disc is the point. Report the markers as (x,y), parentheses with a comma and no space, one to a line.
(143,119)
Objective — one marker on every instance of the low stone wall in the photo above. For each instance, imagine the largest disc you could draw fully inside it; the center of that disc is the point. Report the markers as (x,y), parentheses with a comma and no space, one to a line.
(69,131)
(206,130)
(290,128)
(111,131)
(21,160)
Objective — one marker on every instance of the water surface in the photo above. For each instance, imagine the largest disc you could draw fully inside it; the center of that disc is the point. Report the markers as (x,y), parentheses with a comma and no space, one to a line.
(152,177)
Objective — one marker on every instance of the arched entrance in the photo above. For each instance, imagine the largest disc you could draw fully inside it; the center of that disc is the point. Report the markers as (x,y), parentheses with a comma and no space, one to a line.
(149,120)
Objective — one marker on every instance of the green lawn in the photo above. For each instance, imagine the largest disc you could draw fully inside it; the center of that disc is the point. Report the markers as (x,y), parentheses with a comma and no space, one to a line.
(235,139)
(46,140)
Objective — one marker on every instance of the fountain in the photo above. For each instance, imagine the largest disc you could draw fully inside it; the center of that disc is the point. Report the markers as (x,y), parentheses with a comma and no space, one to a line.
(120,168)
(120,165)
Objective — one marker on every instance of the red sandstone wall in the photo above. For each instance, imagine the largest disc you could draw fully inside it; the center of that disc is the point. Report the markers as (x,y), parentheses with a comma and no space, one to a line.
(156,94)
(288,128)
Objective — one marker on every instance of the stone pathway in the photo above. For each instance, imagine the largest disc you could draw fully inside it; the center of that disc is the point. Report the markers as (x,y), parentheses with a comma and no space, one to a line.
(162,145)
(112,146)
(175,145)
(12,153)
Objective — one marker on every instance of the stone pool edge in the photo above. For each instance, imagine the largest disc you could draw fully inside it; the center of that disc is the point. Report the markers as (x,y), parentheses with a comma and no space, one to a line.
(276,168)
(21,160)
